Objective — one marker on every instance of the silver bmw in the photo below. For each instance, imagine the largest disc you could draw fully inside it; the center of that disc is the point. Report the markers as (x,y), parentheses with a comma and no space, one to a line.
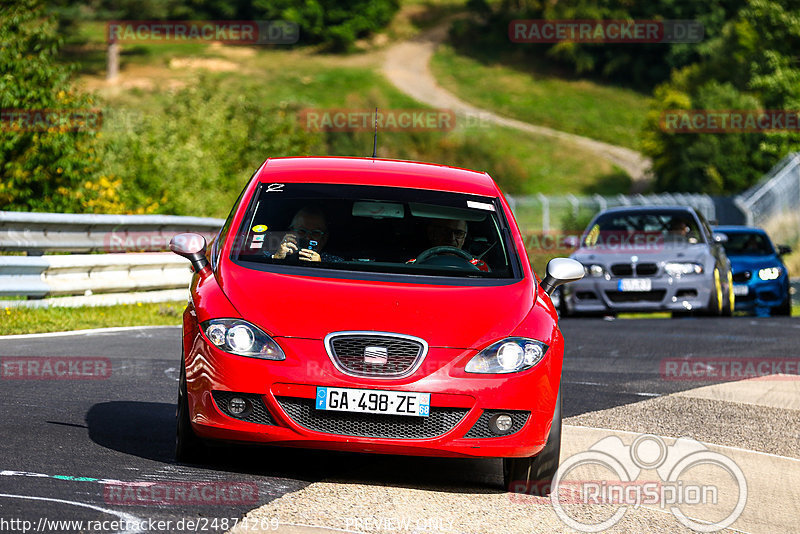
(645,259)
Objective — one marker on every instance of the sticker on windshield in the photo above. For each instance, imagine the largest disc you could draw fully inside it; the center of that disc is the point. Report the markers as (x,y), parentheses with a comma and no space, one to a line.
(257,238)
(260,228)
(480,205)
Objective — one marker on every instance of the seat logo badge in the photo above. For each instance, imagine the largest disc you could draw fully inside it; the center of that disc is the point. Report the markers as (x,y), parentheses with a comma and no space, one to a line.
(634,259)
(376,355)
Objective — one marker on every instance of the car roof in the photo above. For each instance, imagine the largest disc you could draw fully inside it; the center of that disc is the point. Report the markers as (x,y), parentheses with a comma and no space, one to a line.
(384,172)
(739,229)
(618,209)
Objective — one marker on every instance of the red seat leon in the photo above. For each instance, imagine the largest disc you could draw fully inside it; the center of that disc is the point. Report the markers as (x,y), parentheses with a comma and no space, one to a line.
(370,305)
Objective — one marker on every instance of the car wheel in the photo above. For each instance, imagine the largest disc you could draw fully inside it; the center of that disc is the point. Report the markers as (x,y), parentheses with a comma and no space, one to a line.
(534,475)
(188,447)
(785,308)
(727,309)
(714,307)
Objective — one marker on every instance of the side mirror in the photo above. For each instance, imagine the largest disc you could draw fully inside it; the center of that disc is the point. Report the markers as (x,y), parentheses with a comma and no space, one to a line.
(784,249)
(561,271)
(192,247)
(721,238)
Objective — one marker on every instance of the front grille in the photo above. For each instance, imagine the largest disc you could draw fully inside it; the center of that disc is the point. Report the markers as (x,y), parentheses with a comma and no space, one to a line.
(368,425)
(646,269)
(481,427)
(743,276)
(634,269)
(622,269)
(585,295)
(403,353)
(657,295)
(256,412)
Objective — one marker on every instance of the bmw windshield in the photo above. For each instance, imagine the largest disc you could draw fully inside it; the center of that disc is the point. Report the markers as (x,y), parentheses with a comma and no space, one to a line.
(295,227)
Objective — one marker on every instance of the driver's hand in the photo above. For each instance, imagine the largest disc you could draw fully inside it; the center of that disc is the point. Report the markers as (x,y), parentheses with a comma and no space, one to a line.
(309,255)
(287,246)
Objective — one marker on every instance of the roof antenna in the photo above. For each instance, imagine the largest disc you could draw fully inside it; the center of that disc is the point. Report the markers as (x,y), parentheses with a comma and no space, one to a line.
(375,139)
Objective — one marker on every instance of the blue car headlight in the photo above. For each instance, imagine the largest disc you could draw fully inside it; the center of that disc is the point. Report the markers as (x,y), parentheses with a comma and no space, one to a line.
(510,355)
(239,337)
(769,273)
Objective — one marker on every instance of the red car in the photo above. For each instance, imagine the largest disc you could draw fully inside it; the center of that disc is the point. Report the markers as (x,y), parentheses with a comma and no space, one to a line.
(370,305)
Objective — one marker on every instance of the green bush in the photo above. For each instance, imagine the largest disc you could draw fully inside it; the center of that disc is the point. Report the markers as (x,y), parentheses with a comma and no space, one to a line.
(192,151)
(43,168)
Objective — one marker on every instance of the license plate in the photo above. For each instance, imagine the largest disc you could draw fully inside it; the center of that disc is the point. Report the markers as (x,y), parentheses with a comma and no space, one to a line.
(740,291)
(373,401)
(635,284)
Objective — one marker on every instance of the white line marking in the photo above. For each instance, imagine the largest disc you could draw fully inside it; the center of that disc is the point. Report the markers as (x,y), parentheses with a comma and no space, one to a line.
(587,383)
(90,331)
(642,394)
(128,518)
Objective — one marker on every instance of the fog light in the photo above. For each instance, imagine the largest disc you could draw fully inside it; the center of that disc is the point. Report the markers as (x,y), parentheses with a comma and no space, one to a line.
(237,406)
(501,423)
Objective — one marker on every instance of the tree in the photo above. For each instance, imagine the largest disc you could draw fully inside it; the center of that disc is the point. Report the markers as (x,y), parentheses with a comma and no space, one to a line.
(47,167)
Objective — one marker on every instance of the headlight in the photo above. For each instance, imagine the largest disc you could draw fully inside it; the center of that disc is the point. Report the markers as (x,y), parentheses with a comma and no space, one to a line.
(508,356)
(594,270)
(240,337)
(680,269)
(770,273)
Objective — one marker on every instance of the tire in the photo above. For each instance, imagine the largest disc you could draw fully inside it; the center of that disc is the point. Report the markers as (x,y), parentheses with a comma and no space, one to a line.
(714,308)
(534,475)
(730,302)
(784,309)
(188,447)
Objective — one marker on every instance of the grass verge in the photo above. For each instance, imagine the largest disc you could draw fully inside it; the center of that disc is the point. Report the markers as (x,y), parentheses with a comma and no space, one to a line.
(537,94)
(33,321)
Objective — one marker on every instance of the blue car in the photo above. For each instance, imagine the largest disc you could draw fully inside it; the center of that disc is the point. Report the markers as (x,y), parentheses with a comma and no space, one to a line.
(760,279)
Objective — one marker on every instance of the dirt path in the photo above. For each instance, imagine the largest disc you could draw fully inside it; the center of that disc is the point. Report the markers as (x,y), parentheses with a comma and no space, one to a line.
(407,67)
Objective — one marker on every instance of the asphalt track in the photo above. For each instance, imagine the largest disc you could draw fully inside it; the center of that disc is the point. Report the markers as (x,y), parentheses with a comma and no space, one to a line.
(66,442)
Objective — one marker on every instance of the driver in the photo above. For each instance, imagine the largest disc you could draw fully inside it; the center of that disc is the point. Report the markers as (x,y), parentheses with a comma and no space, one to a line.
(450,233)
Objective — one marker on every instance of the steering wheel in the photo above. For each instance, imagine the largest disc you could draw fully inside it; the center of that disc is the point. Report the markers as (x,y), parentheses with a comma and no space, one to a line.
(439,251)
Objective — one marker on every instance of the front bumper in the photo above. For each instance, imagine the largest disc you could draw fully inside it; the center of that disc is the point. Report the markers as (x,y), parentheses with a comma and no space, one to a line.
(598,295)
(761,294)
(286,390)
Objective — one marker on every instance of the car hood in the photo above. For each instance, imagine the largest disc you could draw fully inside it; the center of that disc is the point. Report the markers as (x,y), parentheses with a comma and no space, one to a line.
(754,263)
(687,253)
(310,307)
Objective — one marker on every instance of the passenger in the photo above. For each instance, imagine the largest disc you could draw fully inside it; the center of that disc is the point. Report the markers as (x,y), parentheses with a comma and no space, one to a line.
(308,224)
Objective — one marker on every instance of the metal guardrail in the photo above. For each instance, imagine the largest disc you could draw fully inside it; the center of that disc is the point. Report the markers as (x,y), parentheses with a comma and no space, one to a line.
(776,194)
(36,233)
(539,209)
(94,279)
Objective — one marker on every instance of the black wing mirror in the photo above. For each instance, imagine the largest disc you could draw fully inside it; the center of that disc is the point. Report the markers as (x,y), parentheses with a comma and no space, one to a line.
(784,249)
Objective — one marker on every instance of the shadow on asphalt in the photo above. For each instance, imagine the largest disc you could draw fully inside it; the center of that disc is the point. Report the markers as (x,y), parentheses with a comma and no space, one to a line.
(147,430)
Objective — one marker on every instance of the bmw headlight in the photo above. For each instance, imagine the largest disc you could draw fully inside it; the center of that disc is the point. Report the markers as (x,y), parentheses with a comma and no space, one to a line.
(770,273)
(242,338)
(594,270)
(681,269)
(510,355)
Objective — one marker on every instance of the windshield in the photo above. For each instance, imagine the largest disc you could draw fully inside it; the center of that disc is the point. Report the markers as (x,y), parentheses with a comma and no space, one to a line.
(373,229)
(661,227)
(748,244)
